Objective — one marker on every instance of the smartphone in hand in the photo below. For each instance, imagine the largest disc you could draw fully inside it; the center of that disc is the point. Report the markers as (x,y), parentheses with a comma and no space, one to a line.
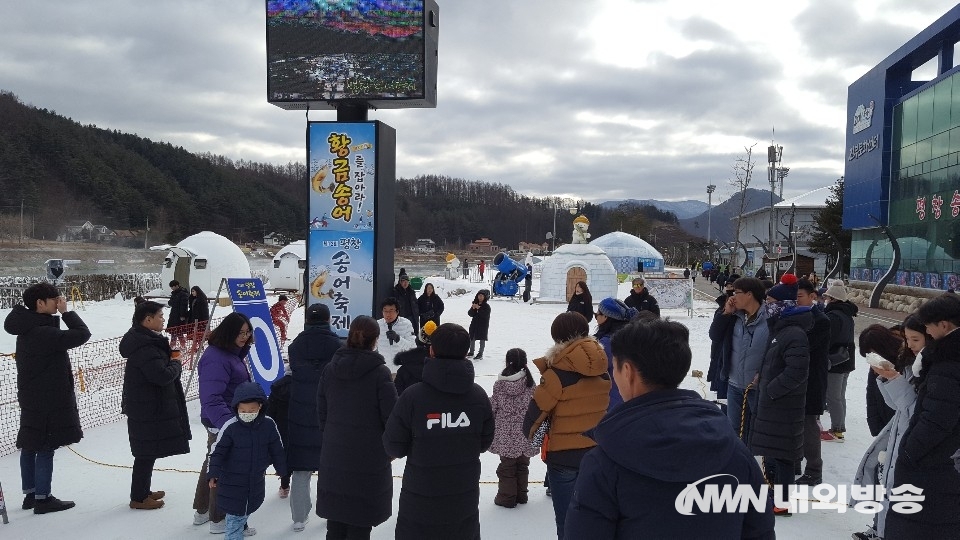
(876,360)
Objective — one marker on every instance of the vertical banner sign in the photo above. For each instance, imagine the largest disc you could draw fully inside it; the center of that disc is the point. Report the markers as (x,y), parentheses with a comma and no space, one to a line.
(249,298)
(342,167)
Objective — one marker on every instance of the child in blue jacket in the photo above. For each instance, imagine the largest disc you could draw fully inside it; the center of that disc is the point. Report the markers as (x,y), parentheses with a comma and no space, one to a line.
(246,445)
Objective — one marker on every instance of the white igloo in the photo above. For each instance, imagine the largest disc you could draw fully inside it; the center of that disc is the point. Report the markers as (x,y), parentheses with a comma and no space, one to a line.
(626,250)
(577,262)
(203,259)
(288,264)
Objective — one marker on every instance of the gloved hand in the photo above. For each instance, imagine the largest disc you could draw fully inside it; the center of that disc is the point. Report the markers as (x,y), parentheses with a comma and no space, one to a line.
(393,337)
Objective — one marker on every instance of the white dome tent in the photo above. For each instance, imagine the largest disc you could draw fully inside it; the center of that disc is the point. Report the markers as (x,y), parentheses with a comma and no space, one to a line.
(203,259)
(625,250)
(577,262)
(288,265)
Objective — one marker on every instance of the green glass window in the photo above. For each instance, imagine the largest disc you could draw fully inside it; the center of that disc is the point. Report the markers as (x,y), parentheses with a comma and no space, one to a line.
(942,105)
(925,115)
(924,150)
(940,145)
(908,156)
(909,116)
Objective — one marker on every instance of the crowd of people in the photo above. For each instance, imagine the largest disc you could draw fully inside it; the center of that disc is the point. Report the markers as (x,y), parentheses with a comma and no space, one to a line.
(604,410)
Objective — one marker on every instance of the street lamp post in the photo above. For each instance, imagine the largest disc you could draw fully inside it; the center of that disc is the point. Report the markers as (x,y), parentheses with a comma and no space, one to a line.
(710,190)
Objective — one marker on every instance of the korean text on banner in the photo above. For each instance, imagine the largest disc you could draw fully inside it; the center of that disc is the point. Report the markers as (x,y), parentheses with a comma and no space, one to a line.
(266,361)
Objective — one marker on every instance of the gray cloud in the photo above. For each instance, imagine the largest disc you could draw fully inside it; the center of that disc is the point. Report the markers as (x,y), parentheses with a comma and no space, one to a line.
(522,98)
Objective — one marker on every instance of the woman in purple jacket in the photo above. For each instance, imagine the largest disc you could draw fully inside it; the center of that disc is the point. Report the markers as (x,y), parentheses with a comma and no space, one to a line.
(221,369)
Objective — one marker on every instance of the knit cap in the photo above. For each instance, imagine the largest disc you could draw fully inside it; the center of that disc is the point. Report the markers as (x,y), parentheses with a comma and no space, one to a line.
(616,309)
(786,289)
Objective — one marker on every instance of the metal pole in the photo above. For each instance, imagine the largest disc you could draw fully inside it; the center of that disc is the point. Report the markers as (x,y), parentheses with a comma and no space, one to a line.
(21,221)
(554,239)
(710,189)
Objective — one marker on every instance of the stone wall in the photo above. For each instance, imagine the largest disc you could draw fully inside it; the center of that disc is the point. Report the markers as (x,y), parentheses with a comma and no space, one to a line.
(894,297)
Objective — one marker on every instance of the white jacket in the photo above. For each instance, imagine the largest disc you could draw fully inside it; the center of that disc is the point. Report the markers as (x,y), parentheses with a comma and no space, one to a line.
(404,328)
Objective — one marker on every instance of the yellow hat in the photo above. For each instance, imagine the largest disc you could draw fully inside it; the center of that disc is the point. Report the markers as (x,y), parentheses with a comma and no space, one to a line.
(581,219)
(427,331)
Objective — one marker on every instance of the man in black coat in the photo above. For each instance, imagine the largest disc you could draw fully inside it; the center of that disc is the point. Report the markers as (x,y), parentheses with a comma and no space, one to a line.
(179,315)
(638,477)
(777,431)
(49,417)
(411,361)
(310,352)
(819,338)
(441,425)
(407,298)
(641,299)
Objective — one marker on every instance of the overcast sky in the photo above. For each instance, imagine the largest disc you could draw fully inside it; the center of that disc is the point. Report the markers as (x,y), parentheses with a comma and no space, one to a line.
(596,99)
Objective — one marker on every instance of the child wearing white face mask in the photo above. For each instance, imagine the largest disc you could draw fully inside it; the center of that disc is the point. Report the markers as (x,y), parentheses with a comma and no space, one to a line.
(246,445)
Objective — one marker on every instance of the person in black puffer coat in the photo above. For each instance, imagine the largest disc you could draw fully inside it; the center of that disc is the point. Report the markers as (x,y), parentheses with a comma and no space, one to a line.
(179,315)
(777,430)
(406,298)
(153,400)
(479,313)
(49,417)
(278,408)
(430,305)
(819,338)
(355,398)
(641,299)
(841,313)
(310,352)
(581,301)
(441,426)
(411,362)
(924,459)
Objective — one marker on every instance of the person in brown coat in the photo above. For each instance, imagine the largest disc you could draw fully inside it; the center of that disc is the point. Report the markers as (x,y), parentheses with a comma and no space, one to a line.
(573,394)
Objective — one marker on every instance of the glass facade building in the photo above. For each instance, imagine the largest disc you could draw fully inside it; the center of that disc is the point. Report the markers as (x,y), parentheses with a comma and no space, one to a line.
(909,171)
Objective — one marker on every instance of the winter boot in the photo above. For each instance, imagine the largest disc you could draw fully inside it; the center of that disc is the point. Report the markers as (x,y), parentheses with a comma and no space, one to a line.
(147,504)
(51,504)
(28,501)
(157,495)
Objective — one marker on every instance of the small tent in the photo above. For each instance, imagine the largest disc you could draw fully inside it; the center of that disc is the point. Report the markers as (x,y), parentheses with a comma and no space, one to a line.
(627,251)
(203,259)
(288,265)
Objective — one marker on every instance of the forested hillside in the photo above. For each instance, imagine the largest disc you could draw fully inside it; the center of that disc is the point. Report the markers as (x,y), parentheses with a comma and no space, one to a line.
(63,172)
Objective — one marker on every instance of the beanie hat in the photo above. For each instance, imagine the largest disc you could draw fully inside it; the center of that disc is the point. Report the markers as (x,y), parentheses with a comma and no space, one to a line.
(317,313)
(403,275)
(837,291)
(616,309)
(786,289)
(427,331)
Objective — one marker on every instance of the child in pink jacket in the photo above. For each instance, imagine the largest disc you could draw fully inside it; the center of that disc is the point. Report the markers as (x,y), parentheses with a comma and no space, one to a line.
(511,397)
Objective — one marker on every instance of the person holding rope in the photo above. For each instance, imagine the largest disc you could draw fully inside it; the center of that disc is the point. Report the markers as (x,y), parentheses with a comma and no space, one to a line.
(741,329)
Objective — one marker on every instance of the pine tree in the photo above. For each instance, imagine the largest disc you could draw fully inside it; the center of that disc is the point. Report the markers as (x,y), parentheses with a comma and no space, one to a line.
(829,221)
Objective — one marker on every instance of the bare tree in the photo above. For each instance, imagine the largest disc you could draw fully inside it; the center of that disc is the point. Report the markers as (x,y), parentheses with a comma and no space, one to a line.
(742,174)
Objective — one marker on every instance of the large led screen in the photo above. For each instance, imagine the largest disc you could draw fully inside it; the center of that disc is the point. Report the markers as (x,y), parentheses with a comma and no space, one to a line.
(321,52)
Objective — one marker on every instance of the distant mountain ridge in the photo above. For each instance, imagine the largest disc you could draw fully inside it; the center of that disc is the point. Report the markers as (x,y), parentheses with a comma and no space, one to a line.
(681,209)
(722,226)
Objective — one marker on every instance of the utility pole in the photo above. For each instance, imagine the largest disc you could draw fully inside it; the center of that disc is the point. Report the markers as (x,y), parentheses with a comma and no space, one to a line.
(710,190)
(21,221)
(774,156)
(146,233)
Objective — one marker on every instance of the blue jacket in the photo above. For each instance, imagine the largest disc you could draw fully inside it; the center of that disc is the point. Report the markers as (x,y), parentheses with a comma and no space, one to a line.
(648,450)
(734,333)
(241,455)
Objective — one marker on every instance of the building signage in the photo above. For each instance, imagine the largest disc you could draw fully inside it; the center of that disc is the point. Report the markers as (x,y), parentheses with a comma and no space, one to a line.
(936,206)
(862,117)
(862,148)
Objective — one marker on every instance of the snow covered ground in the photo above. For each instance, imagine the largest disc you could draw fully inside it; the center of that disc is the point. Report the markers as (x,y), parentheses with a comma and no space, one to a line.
(95,473)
